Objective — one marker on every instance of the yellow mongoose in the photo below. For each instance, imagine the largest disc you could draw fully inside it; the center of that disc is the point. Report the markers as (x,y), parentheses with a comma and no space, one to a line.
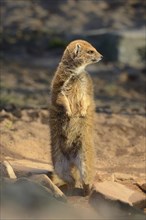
(72,114)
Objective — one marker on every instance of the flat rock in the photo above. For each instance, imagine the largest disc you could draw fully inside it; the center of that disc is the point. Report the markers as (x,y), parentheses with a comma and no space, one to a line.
(142,185)
(6,170)
(27,199)
(116,191)
(26,167)
(123,176)
(45,181)
(115,201)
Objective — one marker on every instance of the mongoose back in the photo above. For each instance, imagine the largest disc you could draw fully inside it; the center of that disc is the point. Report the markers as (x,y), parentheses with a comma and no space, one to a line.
(72,115)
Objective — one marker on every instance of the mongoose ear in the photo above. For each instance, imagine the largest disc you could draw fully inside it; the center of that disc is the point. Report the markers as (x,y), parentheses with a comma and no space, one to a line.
(77,49)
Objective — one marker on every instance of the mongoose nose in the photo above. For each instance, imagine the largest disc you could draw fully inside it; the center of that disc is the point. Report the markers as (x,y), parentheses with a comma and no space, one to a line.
(101,57)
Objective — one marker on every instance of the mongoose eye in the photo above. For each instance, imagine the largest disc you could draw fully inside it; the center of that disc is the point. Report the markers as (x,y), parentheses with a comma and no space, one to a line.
(90,51)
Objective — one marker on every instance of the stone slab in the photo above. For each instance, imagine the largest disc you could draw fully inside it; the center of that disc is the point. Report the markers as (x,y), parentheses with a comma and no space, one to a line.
(116,191)
(24,167)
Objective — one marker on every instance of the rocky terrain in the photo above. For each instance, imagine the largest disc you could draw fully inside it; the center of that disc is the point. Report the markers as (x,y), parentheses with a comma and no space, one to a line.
(33,36)
(120,147)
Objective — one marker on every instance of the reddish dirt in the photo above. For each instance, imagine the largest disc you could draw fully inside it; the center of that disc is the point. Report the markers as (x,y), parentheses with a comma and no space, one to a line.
(119,141)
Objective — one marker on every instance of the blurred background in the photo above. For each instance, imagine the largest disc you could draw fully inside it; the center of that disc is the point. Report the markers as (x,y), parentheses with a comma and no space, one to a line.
(34,34)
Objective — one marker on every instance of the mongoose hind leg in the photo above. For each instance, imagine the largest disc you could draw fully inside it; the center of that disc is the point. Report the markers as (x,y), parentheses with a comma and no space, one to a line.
(86,182)
(86,170)
(69,187)
(63,170)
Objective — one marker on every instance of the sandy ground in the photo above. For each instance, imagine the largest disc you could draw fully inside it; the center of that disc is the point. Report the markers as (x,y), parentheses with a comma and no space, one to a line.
(120,141)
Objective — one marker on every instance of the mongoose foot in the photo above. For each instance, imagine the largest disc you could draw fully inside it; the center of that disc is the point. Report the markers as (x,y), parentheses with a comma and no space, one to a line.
(86,189)
(70,188)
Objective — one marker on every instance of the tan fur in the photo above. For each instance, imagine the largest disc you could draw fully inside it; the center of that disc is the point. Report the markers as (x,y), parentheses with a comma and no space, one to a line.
(72,114)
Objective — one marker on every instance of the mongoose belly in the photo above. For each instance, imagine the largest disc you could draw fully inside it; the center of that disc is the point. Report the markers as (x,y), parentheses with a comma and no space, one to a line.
(69,133)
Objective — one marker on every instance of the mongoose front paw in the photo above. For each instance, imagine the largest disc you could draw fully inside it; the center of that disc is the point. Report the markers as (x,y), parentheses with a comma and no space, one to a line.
(69,113)
(83,113)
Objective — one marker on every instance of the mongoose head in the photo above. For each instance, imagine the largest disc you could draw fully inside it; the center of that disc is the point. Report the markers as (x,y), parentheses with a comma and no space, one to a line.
(80,53)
